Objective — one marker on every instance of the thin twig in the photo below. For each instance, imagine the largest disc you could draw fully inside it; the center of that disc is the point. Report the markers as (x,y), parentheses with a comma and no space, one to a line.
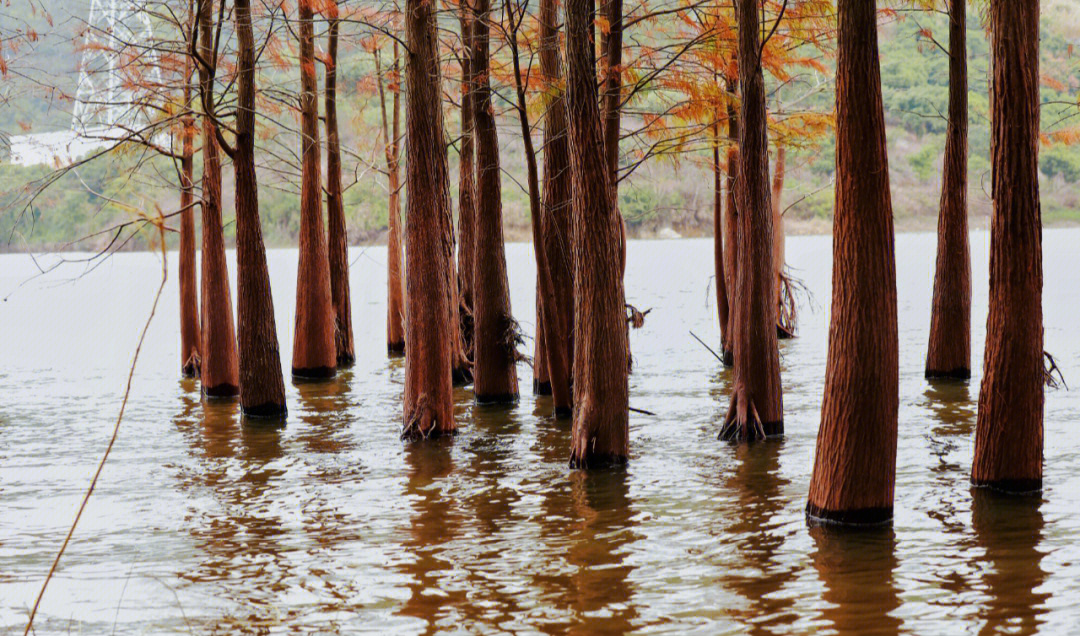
(112,440)
(707,347)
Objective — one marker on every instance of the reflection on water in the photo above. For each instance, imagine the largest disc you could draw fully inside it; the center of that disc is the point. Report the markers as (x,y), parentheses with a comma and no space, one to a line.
(205,521)
(1009,530)
(857,569)
(758,536)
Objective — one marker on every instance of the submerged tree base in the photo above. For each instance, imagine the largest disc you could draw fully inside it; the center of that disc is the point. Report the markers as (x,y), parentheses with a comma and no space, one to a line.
(1021,487)
(541,388)
(314,373)
(598,462)
(960,373)
(396,348)
(461,376)
(345,360)
(500,398)
(865,517)
(266,411)
(221,391)
(731,430)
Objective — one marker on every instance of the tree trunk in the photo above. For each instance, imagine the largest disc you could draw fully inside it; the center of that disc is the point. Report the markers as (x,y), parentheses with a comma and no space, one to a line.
(262,389)
(601,392)
(337,235)
(494,358)
(855,461)
(429,407)
(757,401)
(551,363)
(731,227)
(612,50)
(466,184)
(556,218)
(189,290)
(314,346)
(722,308)
(220,371)
(785,325)
(395,301)
(949,354)
(1009,429)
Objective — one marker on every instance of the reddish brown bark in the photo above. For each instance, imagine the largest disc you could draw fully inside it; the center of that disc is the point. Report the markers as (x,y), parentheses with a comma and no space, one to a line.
(428,409)
(494,357)
(262,389)
(556,219)
(756,402)
(949,352)
(601,392)
(1009,428)
(466,183)
(314,346)
(552,364)
(337,234)
(731,254)
(395,283)
(220,371)
(785,324)
(190,359)
(855,461)
(722,308)
(612,50)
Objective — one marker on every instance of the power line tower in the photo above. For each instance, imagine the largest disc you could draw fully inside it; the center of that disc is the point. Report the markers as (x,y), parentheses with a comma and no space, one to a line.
(118,57)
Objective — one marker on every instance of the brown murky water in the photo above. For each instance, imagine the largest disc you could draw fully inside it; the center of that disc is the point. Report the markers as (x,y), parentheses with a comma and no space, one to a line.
(203,522)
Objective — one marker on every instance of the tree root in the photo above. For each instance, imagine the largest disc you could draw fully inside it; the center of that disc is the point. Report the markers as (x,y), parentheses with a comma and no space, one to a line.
(634,317)
(742,423)
(787,316)
(423,424)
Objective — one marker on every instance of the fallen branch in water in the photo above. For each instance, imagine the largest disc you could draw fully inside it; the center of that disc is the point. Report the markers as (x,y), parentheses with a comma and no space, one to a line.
(716,355)
(1048,373)
(160,223)
(642,411)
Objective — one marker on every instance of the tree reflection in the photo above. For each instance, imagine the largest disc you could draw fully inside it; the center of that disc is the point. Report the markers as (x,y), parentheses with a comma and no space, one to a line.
(857,566)
(758,492)
(436,521)
(588,519)
(1009,529)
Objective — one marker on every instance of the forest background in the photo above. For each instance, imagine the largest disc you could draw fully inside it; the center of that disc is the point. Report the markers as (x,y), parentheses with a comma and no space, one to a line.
(668,195)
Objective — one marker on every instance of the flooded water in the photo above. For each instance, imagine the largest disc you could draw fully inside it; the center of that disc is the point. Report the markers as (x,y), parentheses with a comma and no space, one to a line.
(205,523)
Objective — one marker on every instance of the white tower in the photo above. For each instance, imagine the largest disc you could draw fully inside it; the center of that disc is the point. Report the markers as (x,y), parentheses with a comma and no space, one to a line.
(118,55)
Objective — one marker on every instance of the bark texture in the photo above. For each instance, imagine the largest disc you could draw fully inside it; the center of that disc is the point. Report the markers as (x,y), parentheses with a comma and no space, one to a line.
(722,307)
(190,360)
(314,345)
(395,283)
(220,370)
(731,254)
(949,353)
(612,50)
(1009,428)
(466,183)
(855,461)
(337,234)
(262,388)
(556,218)
(494,357)
(601,392)
(785,327)
(756,402)
(551,366)
(428,408)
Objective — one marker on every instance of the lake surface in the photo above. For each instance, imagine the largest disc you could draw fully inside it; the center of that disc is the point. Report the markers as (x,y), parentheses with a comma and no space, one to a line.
(203,523)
